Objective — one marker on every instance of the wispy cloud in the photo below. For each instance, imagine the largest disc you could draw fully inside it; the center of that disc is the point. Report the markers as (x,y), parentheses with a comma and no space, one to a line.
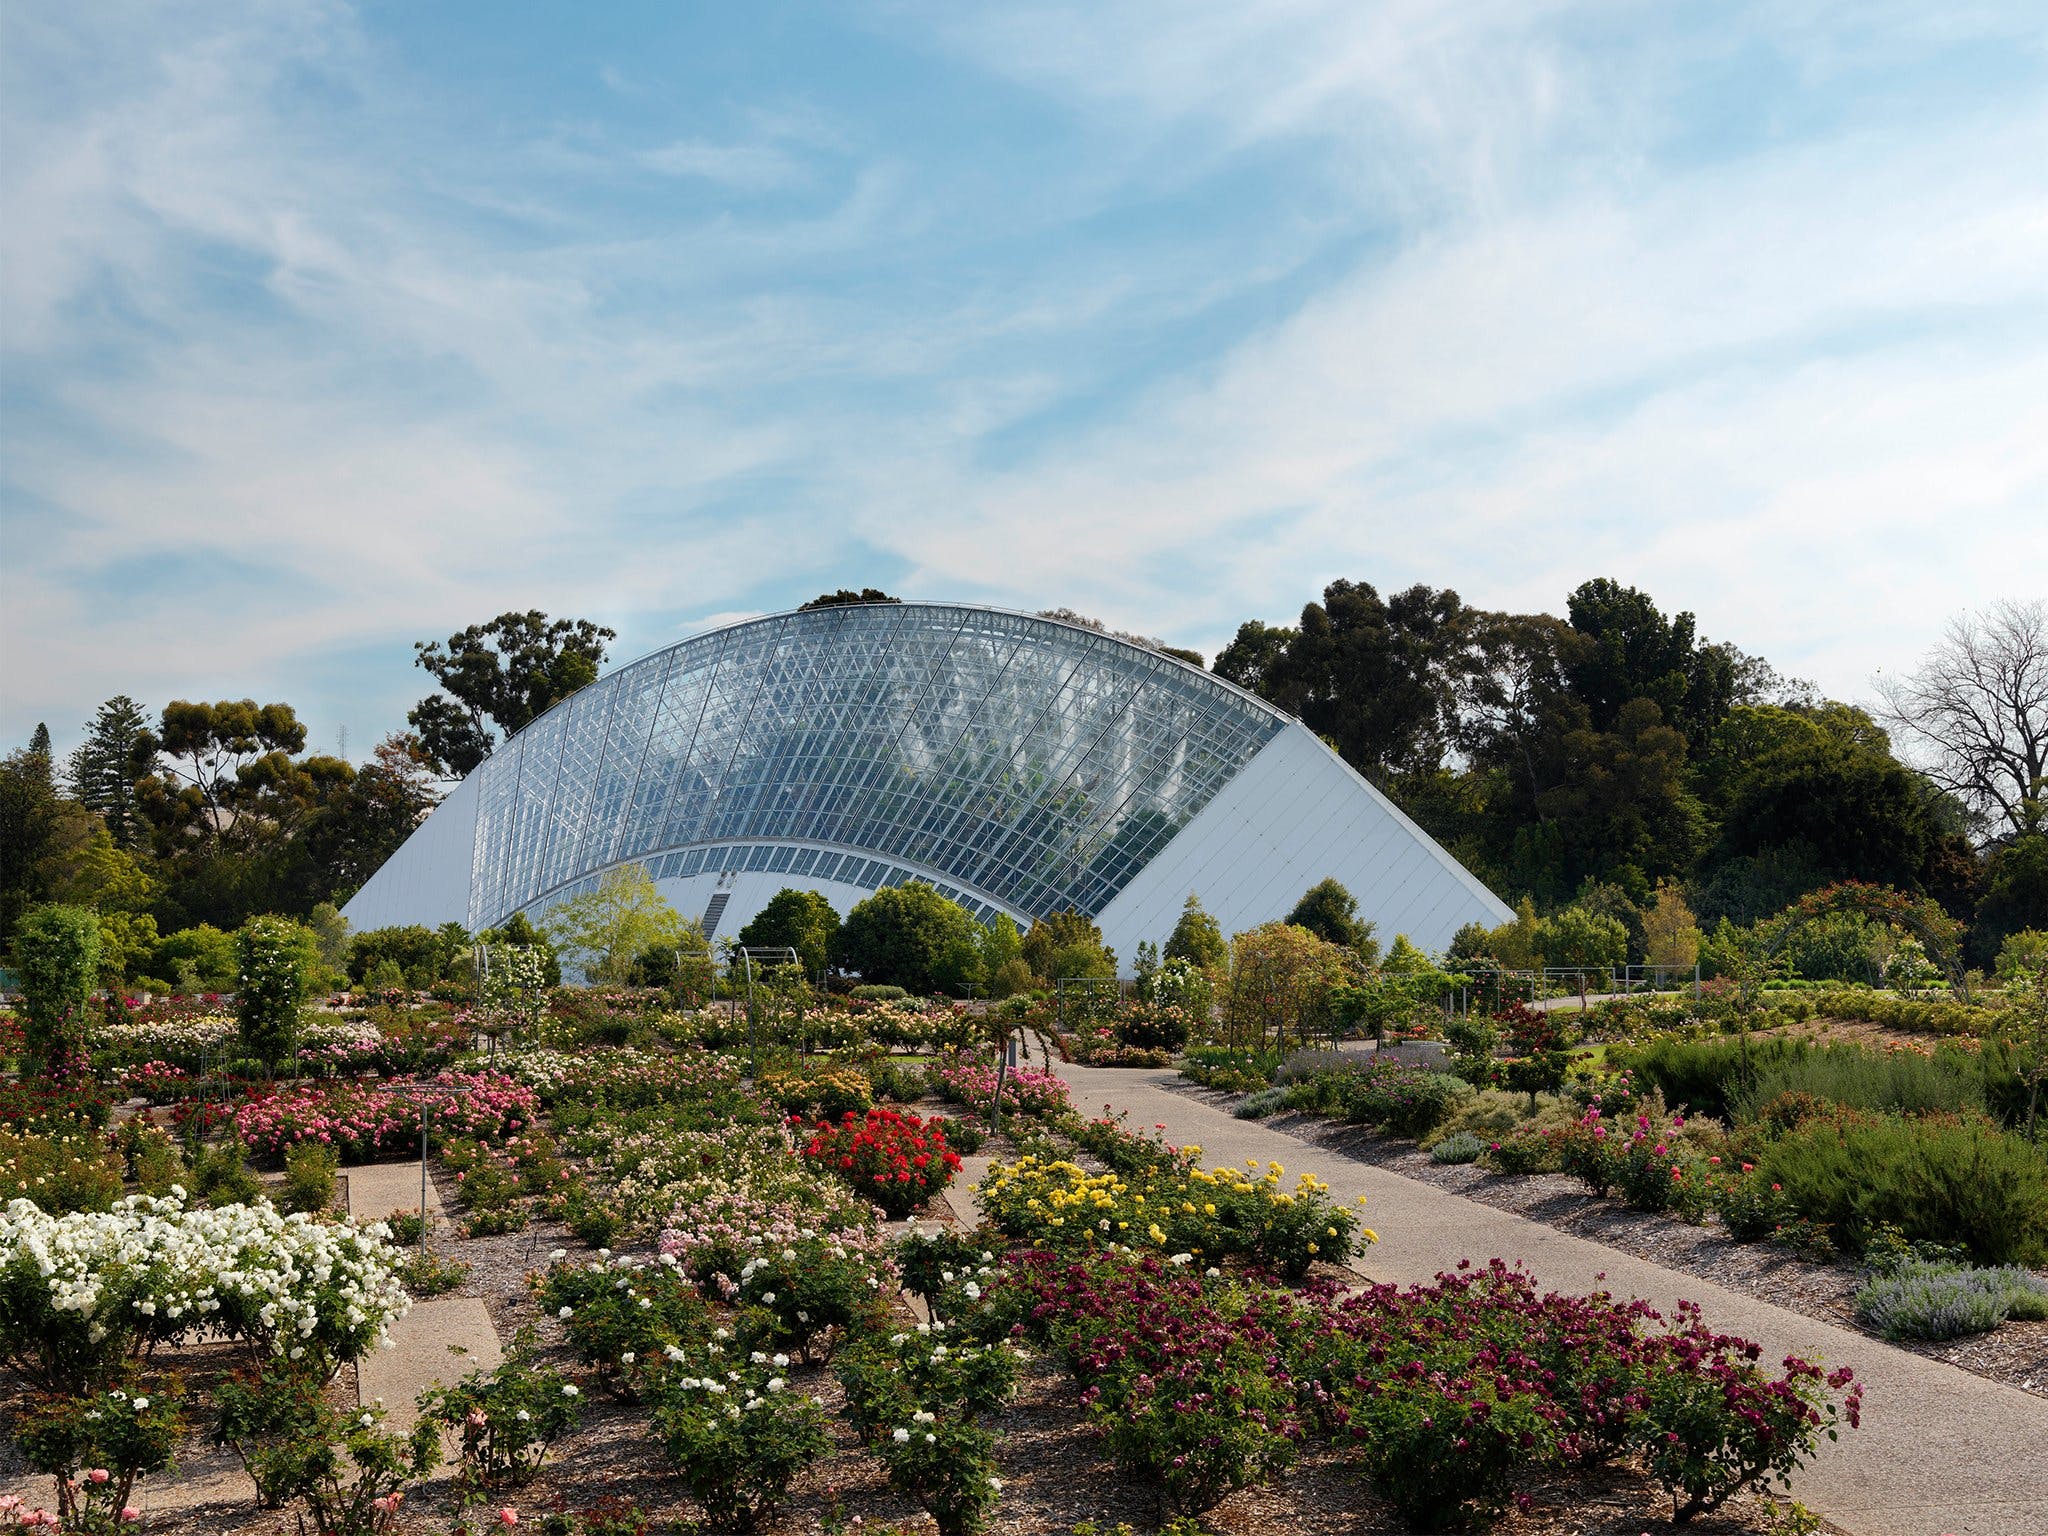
(1171,312)
(752,166)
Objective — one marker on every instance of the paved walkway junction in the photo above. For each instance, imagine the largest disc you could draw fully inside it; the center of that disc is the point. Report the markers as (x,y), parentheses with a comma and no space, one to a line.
(1940,1451)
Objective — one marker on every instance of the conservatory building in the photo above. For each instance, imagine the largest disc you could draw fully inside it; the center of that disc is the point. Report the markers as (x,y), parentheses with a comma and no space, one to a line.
(1020,765)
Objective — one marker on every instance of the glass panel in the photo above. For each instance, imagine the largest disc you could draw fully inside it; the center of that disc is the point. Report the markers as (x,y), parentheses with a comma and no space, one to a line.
(1035,762)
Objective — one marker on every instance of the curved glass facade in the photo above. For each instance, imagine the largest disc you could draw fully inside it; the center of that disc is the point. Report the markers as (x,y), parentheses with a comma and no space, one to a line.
(1031,764)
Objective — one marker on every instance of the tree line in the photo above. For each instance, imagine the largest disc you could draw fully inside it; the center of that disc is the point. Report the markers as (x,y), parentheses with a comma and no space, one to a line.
(1612,764)
(1590,760)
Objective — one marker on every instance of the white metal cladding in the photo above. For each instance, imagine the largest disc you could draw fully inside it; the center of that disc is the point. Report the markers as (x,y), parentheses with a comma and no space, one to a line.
(1019,764)
(427,880)
(1297,814)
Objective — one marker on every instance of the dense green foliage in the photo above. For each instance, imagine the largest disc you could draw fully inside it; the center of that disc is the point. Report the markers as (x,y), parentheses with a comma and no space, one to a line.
(796,919)
(278,961)
(1584,760)
(505,673)
(57,951)
(908,936)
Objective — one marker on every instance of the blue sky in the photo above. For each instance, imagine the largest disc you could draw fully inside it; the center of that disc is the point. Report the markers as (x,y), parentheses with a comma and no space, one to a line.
(326,328)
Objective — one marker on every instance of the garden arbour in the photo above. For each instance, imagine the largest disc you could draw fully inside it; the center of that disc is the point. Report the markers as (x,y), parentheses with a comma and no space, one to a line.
(1940,934)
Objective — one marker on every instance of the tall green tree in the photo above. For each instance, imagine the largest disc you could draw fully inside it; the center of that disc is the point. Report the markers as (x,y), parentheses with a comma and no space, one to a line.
(1197,938)
(1635,652)
(1000,957)
(1067,944)
(505,673)
(802,920)
(211,757)
(355,831)
(2015,894)
(1624,802)
(1372,675)
(1330,912)
(1862,814)
(906,936)
(28,809)
(103,770)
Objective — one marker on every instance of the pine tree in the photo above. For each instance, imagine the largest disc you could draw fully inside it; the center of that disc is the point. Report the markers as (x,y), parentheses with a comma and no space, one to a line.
(115,753)
(39,754)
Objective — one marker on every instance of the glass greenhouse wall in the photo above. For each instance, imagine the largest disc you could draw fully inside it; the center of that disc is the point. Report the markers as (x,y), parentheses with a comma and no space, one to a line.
(1034,765)
(1019,764)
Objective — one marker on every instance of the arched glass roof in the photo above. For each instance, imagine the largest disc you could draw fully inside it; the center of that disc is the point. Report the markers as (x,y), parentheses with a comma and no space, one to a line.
(1034,762)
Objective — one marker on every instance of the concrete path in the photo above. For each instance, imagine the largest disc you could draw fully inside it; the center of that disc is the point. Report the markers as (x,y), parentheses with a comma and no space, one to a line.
(1941,1451)
(436,1343)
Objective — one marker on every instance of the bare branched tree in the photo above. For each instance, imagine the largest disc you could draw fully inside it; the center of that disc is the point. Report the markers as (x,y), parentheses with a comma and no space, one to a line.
(1977,710)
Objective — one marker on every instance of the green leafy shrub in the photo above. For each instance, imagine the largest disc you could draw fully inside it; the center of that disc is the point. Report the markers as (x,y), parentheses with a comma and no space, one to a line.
(221,1176)
(1955,1181)
(506,1419)
(1931,1299)
(1402,1100)
(1462,1147)
(276,958)
(57,950)
(1230,1069)
(1905,1081)
(1259,1105)
(965,1133)
(600,1307)
(351,1472)
(1704,1075)
(120,1435)
(267,1416)
(426,1275)
(1526,1150)
(943,1267)
(1751,1205)
(63,1167)
(736,1433)
(947,1465)
(310,1172)
(407,1227)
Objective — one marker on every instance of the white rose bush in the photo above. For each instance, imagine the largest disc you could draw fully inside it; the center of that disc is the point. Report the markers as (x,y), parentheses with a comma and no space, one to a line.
(82,1295)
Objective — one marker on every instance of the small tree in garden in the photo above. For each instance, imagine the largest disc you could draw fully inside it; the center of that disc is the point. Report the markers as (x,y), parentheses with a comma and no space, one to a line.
(1671,934)
(1330,912)
(795,919)
(2024,1025)
(1283,986)
(606,930)
(276,957)
(905,935)
(57,949)
(1198,939)
(515,986)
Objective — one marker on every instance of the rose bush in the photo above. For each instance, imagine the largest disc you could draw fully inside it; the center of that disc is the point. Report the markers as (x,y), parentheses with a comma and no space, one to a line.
(898,1161)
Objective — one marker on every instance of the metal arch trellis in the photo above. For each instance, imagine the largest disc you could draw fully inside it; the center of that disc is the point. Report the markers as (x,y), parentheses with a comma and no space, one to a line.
(1940,933)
